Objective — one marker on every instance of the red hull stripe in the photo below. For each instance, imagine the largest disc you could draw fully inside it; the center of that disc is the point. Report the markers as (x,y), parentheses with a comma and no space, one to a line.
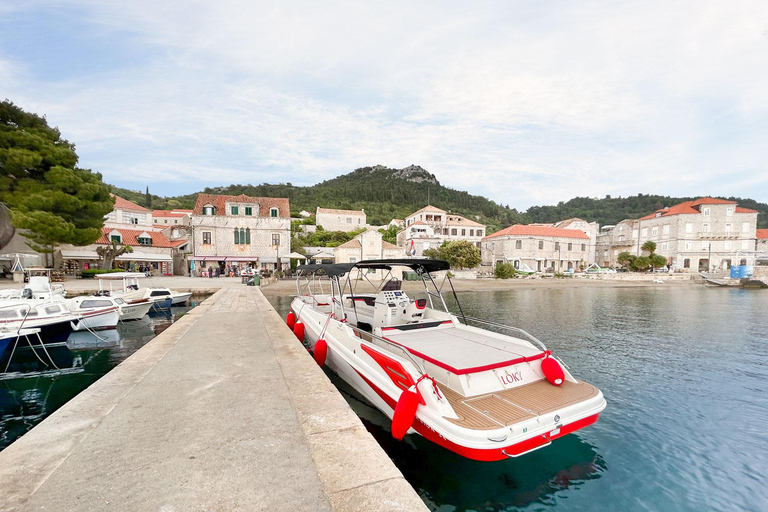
(475,369)
(393,369)
(486,455)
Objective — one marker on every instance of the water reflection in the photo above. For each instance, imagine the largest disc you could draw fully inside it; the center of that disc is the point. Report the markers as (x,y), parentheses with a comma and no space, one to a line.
(40,381)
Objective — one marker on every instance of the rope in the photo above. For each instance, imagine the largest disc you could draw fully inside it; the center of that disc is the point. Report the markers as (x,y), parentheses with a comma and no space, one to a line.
(434,384)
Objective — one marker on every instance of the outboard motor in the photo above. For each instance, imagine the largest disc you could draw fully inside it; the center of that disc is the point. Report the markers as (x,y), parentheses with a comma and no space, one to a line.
(26,293)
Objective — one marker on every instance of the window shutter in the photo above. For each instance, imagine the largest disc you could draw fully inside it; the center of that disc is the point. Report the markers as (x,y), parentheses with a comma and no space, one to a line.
(248,236)
(237,236)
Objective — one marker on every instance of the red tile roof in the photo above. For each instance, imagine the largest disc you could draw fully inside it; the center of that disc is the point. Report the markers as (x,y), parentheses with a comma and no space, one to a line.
(167,213)
(523,230)
(131,237)
(711,200)
(762,234)
(265,203)
(739,209)
(125,204)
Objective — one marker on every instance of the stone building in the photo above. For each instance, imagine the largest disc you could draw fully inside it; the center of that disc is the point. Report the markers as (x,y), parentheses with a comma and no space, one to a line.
(163,219)
(340,220)
(590,228)
(540,248)
(368,245)
(429,227)
(701,235)
(240,231)
(129,215)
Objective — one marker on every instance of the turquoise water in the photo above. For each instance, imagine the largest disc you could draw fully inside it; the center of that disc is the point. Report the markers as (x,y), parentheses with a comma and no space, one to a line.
(36,389)
(685,374)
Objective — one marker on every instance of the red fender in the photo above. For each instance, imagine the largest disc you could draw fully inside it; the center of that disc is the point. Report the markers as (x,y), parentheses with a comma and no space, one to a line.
(298,330)
(290,320)
(321,351)
(552,371)
(405,412)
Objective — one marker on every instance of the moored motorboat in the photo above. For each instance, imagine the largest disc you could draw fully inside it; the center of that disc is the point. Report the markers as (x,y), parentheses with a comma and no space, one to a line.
(485,391)
(96,313)
(54,319)
(126,286)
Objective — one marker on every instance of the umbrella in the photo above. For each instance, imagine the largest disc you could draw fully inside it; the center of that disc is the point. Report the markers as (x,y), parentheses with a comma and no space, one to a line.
(295,256)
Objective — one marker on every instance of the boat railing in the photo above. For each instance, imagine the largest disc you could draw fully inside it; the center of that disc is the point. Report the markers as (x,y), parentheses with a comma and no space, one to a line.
(519,333)
(7,321)
(386,344)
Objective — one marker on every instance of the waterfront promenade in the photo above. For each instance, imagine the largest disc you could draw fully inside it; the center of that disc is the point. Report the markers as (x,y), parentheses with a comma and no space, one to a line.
(224,410)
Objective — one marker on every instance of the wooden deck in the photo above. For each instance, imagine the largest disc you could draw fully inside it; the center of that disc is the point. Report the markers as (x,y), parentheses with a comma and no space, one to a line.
(505,408)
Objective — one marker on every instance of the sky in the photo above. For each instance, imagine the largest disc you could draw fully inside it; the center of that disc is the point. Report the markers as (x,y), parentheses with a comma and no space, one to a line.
(524,102)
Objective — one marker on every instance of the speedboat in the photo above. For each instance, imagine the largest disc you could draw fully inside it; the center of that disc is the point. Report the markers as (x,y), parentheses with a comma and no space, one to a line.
(38,287)
(129,290)
(481,389)
(96,313)
(54,319)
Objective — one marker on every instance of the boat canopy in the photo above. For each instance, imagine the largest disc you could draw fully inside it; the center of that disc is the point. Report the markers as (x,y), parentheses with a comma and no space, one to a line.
(420,265)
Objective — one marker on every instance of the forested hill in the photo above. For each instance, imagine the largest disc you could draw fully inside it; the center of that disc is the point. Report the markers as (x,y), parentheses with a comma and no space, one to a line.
(387,193)
(611,210)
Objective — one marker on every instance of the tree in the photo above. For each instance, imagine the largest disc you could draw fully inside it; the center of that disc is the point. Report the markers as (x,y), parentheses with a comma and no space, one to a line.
(657,260)
(504,270)
(148,199)
(107,254)
(390,234)
(458,254)
(625,259)
(649,247)
(641,263)
(50,199)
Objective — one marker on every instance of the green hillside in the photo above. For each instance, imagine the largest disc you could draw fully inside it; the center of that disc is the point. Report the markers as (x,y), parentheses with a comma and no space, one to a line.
(387,193)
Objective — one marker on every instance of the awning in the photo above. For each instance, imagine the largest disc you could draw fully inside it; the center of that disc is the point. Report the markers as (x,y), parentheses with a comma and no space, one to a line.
(269,259)
(243,258)
(207,258)
(143,256)
(79,255)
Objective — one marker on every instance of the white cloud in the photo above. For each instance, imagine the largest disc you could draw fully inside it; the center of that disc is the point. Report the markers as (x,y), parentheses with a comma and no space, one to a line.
(526,103)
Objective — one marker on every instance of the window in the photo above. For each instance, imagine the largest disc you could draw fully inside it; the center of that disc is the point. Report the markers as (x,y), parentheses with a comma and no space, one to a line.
(655,231)
(621,238)
(237,236)
(634,233)
(438,218)
(463,232)
(665,229)
(570,246)
(557,246)
(479,232)
(116,238)
(705,211)
(687,263)
(745,227)
(471,232)
(273,212)
(359,220)
(165,221)
(518,244)
(583,247)
(349,220)
(727,228)
(88,304)
(687,246)
(541,244)
(275,239)
(353,260)
(645,231)
(235,210)
(689,227)
(249,210)
(705,228)
(208,210)
(134,220)
(206,238)
(453,231)
(615,252)
(145,241)
(729,210)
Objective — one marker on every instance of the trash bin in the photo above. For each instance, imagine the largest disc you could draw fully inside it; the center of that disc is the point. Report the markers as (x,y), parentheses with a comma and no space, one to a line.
(256,280)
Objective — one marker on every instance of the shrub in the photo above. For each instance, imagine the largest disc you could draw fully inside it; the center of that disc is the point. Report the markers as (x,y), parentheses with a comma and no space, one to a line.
(504,270)
(88,274)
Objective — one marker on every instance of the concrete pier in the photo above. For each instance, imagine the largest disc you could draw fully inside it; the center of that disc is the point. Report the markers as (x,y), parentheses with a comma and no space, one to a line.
(224,410)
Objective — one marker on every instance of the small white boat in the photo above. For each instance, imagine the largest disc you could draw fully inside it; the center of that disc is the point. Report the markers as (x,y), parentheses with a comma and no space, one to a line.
(127,287)
(96,313)
(133,310)
(54,319)
(484,391)
(38,287)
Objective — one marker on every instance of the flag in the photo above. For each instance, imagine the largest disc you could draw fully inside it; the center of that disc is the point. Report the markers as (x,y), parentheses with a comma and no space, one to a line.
(412,249)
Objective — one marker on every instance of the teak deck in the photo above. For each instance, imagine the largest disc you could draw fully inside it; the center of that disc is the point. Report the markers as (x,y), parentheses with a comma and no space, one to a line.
(504,408)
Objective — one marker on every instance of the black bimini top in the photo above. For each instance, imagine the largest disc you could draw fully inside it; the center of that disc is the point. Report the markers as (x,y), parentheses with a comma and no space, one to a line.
(418,265)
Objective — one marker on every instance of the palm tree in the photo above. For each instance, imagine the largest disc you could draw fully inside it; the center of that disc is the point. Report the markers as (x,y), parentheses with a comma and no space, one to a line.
(649,246)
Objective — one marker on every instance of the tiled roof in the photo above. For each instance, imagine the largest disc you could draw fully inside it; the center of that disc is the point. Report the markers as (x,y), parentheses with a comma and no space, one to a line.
(125,204)
(762,234)
(220,202)
(387,245)
(523,230)
(682,208)
(711,200)
(739,209)
(352,244)
(430,208)
(339,212)
(131,237)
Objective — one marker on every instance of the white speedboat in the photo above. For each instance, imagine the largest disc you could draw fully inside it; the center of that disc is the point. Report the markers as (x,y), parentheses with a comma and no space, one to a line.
(484,394)
(54,319)
(96,313)
(126,286)
(38,287)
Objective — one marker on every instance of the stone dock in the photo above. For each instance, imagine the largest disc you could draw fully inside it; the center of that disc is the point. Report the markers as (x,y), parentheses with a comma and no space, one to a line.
(224,410)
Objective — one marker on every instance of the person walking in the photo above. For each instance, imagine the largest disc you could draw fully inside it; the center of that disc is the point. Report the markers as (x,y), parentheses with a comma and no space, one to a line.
(210,272)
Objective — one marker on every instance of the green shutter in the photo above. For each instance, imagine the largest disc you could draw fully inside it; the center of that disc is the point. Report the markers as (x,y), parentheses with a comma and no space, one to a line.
(234,210)
(237,236)
(248,210)
(248,236)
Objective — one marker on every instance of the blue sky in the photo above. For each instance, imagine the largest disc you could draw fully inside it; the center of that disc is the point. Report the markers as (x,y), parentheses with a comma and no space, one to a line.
(524,102)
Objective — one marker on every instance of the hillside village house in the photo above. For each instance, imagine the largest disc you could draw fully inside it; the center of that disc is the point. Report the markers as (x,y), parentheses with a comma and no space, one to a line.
(368,245)
(613,240)
(340,220)
(443,226)
(590,228)
(701,235)
(132,225)
(540,248)
(240,231)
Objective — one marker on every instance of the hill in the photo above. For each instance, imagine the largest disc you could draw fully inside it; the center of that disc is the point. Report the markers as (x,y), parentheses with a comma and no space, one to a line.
(387,193)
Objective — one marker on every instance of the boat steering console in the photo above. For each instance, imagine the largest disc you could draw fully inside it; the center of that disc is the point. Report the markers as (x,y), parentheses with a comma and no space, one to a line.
(394,307)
